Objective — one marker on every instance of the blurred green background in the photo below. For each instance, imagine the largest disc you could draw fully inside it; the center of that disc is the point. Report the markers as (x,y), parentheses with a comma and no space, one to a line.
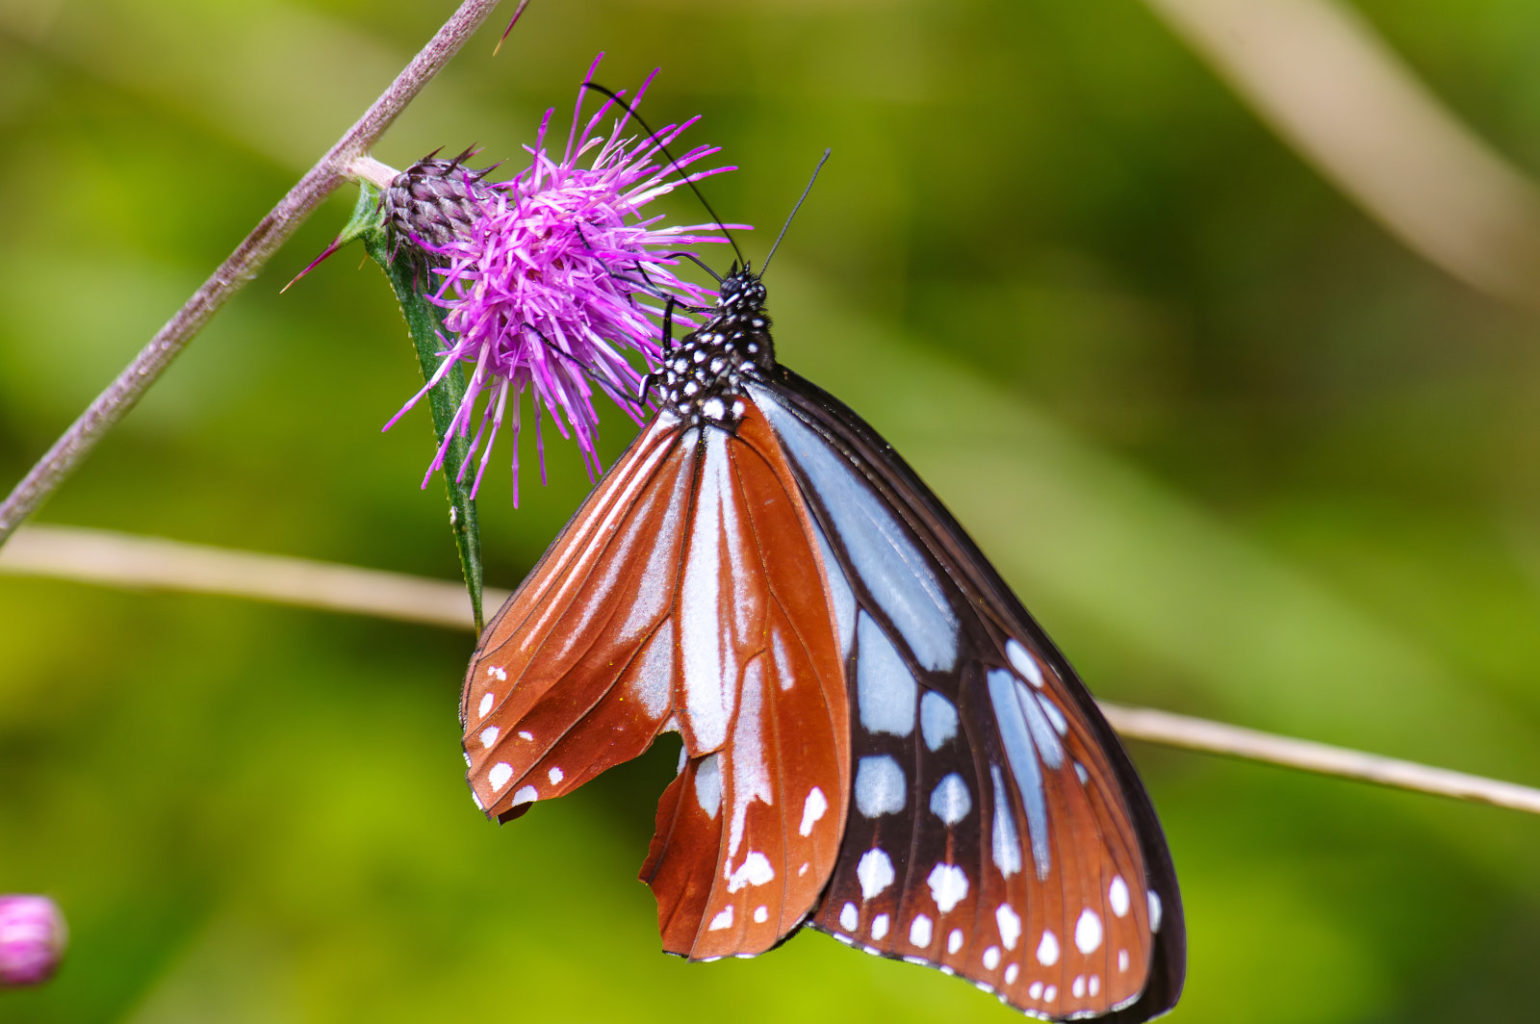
(1243,453)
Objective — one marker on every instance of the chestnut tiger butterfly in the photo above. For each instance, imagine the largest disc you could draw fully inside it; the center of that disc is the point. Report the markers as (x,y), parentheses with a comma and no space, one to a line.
(879,742)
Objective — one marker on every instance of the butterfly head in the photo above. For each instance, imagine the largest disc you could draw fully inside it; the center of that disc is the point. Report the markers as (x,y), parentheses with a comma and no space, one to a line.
(703,376)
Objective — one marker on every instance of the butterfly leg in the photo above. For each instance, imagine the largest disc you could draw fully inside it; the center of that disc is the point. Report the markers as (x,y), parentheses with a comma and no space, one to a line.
(667,348)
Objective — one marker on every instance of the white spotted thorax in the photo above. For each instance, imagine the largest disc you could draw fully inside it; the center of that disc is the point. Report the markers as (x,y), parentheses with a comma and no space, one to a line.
(703,375)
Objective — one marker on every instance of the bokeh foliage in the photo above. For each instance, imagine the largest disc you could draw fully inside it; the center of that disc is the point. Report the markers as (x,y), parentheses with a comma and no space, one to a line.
(1240,451)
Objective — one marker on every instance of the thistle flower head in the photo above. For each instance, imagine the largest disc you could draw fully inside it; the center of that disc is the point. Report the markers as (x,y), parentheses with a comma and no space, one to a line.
(549,279)
(32,939)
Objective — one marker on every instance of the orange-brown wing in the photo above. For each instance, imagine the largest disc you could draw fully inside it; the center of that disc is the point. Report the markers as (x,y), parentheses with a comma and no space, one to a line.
(749,832)
(575,674)
(685,594)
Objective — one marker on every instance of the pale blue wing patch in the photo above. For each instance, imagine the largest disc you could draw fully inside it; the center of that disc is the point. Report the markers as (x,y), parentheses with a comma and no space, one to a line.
(938,720)
(886,692)
(892,569)
(1024,731)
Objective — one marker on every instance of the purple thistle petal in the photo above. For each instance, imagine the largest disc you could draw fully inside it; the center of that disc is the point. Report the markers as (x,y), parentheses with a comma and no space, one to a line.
(557,277)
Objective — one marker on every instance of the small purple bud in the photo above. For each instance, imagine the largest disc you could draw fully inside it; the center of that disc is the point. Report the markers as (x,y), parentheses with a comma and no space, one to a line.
(434,201)
(32,939)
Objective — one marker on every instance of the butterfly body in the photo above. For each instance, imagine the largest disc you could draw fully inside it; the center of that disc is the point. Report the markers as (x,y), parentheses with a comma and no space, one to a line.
(879,741)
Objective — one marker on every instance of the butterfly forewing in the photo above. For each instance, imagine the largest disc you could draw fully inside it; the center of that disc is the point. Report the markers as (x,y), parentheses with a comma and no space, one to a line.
(996,830)
(575,673)
(750,830)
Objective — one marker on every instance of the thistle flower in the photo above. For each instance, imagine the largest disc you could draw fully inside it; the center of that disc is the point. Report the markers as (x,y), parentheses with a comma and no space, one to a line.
(32,939)
(549,279)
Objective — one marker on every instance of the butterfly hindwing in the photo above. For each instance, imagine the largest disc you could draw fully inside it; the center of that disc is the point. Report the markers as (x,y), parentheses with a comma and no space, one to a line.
(997,830)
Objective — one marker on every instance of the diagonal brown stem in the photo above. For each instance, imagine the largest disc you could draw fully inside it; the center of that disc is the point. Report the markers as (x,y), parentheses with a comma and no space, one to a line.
(241,266)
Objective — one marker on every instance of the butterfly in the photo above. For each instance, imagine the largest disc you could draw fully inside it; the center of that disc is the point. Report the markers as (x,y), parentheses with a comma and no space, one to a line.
(878,740)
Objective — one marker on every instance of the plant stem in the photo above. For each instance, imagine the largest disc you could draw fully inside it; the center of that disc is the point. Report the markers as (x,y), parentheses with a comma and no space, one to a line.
(241,266)
(120,560)
(1188,733)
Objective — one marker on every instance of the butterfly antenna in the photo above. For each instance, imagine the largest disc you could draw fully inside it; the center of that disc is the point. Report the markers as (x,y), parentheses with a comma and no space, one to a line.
(658,140)
(821,161)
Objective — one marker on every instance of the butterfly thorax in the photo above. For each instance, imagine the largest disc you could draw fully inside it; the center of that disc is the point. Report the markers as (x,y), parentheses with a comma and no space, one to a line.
(703,375)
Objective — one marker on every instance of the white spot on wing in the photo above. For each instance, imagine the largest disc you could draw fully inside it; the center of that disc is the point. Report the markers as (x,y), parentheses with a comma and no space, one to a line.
(1088,931)
(948,886)
(526,795)
(1077,987)
(875,870)
(1048,949)
(991,958)
(489,736)
(708,784)
(1117,896)
(497,672)
(1035,990)
(954,941)
(722,920)
(1010,925)
(1154,911)
(756,870)
(555,775)
(849,917)
(880,927)
(949,801)
(498,777)
(1122,960)
(761,914)
(487,700)
(1011,973)
(920,931)
(880,787)
(813,809)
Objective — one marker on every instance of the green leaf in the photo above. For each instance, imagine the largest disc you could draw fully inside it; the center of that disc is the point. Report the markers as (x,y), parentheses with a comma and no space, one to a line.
(424,320)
